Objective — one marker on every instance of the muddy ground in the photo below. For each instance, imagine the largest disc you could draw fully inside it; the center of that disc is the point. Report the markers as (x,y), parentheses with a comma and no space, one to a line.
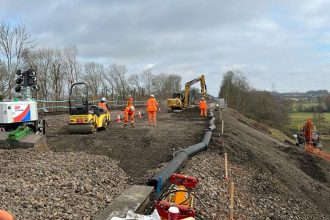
(273,180)
(137,149)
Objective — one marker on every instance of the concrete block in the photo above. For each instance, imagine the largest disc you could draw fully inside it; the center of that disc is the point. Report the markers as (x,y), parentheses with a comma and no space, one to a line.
(135,198)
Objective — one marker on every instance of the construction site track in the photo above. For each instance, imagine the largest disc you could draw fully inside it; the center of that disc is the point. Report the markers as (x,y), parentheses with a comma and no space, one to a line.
(139,149)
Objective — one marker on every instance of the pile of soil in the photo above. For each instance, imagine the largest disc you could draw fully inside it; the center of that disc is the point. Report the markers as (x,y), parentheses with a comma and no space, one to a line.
(51,185)
(272,180)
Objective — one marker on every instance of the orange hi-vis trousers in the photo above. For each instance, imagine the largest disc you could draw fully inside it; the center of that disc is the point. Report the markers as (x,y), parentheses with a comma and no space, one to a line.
(203,112)
(152,117)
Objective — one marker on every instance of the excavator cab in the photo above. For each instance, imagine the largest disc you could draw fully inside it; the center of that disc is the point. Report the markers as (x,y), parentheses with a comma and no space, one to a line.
(85,118)
(178,96)
(176,102)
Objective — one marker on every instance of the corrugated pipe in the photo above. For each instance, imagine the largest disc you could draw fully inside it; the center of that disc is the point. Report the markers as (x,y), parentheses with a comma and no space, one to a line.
(175,164)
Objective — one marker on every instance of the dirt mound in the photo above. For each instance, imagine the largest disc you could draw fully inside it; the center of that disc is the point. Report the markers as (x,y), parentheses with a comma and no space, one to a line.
(273,180)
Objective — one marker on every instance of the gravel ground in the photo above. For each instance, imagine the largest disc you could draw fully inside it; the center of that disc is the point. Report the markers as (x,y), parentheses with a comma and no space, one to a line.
(272,180)
(57,185)
(82,173)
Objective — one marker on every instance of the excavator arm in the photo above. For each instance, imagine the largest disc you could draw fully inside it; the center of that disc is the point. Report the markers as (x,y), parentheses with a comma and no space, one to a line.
(200,79)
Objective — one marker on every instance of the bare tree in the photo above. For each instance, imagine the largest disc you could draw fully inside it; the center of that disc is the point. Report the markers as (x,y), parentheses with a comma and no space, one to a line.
(93,73)
(71,66)
(147,77)
(262,106)
(41,61)
(233,88)
(13,41)
(57,75)
(134,82)
(118,75)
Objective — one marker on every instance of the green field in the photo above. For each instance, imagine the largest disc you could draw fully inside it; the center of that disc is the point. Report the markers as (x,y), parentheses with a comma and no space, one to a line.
(307,106)
(323,124)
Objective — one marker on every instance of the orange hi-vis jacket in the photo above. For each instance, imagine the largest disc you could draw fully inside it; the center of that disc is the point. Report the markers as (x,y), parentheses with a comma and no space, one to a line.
(202,104)
(152,105)
(103,105)
(128,110)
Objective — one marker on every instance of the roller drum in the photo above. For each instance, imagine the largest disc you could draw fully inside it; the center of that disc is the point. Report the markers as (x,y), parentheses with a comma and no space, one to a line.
(81,128)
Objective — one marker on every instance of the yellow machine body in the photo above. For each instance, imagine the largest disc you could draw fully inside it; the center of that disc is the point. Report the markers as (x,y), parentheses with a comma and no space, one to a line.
(175,103)
(89,123)
(85,118)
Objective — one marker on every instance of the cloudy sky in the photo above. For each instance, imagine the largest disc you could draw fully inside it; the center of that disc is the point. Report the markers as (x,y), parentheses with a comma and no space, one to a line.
(282,42)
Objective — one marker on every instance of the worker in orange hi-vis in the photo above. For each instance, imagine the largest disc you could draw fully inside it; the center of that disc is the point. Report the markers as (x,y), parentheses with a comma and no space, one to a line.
(152,106)
(129,115)
(5,215)
(130,101)
(203,107)
(103,104)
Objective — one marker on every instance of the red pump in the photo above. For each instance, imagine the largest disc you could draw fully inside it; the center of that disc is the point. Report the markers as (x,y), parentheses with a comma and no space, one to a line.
(179,195)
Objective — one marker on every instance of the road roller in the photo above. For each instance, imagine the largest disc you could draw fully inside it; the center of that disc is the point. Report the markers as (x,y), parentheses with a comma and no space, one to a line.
(85,118)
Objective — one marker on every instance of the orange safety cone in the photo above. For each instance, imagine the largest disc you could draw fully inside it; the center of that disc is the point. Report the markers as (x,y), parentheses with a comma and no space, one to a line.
(140,116)
(118,118)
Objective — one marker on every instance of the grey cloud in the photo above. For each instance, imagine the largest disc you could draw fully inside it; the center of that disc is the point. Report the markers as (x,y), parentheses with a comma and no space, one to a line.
(270,41)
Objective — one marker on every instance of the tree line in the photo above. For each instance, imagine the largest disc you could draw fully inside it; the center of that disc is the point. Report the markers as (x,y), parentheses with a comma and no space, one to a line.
(263,106)
(58,68)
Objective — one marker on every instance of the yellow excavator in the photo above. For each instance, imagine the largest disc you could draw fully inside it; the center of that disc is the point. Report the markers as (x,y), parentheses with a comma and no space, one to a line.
(85,118)
(180,101)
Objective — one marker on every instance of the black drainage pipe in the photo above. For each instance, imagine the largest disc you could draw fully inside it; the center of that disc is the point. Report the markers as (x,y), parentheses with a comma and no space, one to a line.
(170,168)
(207,138)
(175,164)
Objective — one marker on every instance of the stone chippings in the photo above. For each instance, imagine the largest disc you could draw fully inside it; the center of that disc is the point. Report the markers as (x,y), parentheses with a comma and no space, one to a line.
(52,185)
(257,195)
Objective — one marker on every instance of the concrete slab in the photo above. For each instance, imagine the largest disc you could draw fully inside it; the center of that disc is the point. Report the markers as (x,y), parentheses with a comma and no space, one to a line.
(135,198)
(37,141)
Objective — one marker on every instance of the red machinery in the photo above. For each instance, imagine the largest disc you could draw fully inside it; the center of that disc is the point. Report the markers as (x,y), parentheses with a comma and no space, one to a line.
(179,195)
(312,139)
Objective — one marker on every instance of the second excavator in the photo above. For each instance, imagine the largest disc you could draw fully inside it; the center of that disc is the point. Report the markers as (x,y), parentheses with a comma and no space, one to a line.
(180,101)
(309,137)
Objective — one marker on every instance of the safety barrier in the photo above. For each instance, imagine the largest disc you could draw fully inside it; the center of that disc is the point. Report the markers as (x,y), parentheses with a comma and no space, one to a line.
(63,105)
(159,180)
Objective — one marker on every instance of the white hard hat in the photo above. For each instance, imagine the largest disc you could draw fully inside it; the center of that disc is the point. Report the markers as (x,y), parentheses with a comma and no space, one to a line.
(203,98)
(103,99)
(174,210)
(152,96)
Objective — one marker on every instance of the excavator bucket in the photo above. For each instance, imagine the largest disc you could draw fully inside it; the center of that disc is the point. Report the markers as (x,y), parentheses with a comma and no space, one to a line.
(318,152)
(31,140)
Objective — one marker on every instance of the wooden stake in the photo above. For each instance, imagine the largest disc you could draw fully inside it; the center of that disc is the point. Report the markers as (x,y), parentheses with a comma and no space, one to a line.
(226,167)
(222,125)
(231,206)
